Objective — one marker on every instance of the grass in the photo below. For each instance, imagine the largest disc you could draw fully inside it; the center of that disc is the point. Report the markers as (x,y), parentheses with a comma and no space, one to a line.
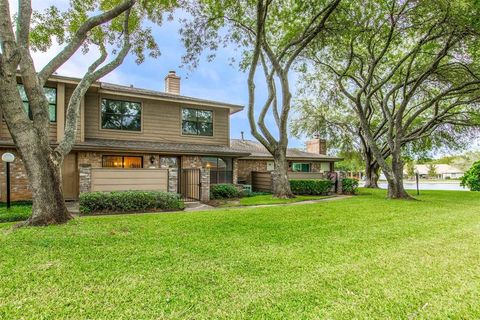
(19,211)
(269,199)
(362,257)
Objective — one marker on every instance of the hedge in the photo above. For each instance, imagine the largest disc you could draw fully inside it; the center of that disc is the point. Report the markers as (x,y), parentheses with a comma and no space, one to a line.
(224,191)
(313,187)
(349,185)
(129,201)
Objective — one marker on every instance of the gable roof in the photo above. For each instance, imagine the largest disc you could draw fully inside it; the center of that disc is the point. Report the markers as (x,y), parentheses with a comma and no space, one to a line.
(258,151)
(111,88)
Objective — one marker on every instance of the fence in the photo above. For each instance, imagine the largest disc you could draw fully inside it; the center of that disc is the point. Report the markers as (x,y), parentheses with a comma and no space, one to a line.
(106,179)
(262,181)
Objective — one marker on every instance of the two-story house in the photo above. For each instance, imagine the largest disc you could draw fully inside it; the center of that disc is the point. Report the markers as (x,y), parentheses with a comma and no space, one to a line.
(136,139)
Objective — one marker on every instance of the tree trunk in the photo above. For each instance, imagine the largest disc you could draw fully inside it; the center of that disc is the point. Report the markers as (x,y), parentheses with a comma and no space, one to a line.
(395,182)
(45,179)
(281,185)
(44,174)
(372,174)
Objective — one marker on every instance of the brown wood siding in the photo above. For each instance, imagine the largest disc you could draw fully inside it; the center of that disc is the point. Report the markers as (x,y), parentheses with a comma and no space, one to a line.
(262,181)
(104,179)
(161,122)
(5,134)
(70,177)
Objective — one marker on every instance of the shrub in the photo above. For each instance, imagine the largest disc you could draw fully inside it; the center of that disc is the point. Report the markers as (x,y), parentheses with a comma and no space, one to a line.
(129,201)
(313,187)
(224,191)
(471,178)
(349,185)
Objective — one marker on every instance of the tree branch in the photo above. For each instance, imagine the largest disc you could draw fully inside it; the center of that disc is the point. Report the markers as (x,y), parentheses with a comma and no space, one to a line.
(80,36)
(93,74)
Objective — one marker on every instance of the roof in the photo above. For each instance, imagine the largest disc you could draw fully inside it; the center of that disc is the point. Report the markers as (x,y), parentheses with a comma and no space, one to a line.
(439,168)
(158,147)
(258,151)
(110,145)
(110,88)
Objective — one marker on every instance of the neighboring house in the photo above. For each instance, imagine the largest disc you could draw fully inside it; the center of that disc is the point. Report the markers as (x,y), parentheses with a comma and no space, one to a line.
(314,159)
(136,139)
(443,171)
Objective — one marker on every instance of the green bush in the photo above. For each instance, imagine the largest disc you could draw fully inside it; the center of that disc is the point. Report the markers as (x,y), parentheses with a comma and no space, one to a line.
(129,201)
(349,185)
(471,178)
(224,191)
(313,187)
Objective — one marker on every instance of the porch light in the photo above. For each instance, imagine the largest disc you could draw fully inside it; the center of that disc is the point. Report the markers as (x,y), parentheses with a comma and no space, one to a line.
(8,157)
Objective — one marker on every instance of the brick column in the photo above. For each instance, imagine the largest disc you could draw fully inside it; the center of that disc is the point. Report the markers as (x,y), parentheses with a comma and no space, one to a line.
(235,171)
(205,184)
(85,178)
(340,176)
(173,180)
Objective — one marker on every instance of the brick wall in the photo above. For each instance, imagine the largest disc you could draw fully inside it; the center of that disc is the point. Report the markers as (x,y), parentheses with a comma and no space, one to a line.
(189,162)
(19,186)
(245,167)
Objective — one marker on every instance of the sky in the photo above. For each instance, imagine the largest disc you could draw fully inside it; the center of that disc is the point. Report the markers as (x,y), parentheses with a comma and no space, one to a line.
(217,80)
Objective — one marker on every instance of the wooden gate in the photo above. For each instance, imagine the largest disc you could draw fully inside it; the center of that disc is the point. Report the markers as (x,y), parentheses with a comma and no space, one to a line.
(189,184)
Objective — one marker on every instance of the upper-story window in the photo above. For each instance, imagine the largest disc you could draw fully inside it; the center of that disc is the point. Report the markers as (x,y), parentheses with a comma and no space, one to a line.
(121,115)
(51,94)
(197,122)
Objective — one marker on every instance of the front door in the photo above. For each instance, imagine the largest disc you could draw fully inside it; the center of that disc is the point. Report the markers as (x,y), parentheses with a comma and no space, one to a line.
(70,177)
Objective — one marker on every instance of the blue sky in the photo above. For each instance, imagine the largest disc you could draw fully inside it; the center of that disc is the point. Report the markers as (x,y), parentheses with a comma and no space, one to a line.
(217,80)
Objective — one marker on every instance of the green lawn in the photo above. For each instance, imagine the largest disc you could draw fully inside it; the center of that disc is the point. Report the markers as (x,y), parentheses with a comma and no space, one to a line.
(269,199)
(18,211)
(361,257)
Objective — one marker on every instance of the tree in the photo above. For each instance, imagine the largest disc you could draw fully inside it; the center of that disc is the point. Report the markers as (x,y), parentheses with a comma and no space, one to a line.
(471,178)
(270,34)
(320,110)
(432,171)
(410,62)
(109,25)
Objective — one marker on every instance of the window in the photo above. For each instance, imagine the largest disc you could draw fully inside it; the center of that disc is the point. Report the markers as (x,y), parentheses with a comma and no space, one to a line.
(51,94)
(122,162)
(121,115)
(220,169)
(301,167)
(270,165)
(197,122)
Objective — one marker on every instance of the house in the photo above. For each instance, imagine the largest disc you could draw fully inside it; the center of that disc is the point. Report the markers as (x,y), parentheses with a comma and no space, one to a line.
(136,139)
(443,171)
(313,160)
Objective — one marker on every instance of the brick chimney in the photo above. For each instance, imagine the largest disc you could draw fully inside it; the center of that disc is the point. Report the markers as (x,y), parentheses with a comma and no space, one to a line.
(172,83)
(318,146)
